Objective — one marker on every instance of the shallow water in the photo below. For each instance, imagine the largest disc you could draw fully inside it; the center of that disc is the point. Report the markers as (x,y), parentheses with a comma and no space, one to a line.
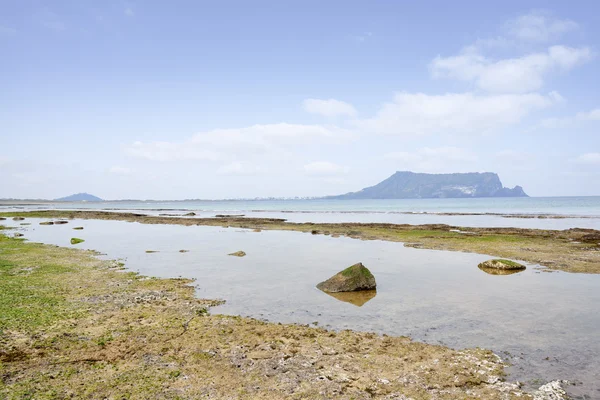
(546,324)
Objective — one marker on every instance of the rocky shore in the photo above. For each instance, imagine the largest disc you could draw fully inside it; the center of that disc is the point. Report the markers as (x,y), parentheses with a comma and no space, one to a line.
(74,326)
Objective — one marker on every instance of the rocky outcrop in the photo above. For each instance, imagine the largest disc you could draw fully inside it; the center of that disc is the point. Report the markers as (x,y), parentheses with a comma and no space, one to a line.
(411,185)
(502,265)
(356,277)
(551,391)
(238,254)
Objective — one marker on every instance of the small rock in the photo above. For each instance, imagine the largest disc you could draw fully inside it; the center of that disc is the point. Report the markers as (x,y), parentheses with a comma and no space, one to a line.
(47,223)
(2,219)
(18,234)
(76,240)
(18,219)
(78,228)
(183,251)
(502,264)
(190,214)
(60,222)
(551,391)
(238,254)
(354,278)
(151,251)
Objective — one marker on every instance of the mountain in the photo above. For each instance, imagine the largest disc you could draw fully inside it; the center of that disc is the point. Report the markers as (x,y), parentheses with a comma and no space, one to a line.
(411,185)
(80,197)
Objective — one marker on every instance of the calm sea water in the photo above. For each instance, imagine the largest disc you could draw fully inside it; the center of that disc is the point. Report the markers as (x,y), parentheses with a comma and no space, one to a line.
(545,324)
(581,212)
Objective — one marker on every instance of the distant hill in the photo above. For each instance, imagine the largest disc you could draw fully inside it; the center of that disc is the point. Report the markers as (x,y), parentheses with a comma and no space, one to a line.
(80,197)
(411,185)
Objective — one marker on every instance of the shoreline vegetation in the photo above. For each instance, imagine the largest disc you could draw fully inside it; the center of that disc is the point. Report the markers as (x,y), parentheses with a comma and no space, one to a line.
(72,325)
(572,250)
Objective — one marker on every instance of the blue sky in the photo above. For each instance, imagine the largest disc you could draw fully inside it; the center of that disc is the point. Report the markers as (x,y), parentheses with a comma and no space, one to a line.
(192,99)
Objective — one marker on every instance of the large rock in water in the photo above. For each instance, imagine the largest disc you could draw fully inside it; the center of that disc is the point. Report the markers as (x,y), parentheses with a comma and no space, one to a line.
(356,277)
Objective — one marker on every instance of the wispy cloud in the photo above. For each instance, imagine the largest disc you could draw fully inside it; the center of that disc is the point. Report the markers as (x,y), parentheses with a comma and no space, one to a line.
(363,37)
(129,11)
(539,26)
(589,158)
(329,108)
(50,20)
(324,168)
(7,31)
(438,159)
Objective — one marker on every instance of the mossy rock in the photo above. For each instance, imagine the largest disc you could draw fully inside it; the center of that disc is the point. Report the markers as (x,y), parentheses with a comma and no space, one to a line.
(354,278)
(151,251)
(46,223)
(78,228)
(190,214)
(183,251)
(18,219)
(501,264)
(60,222)
(238,254)
(76,240)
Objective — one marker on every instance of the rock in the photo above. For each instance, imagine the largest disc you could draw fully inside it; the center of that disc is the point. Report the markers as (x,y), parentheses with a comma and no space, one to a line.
(356,277)
(18,219)
(60,222)
(2,219)
(76,240)
(47,223)
(78,228)
(18,234)
(256,230)
(501,264)
(151,251)
(314,232)
(551,391)
(183,251)
(229,215)
(238,254)
(190,214)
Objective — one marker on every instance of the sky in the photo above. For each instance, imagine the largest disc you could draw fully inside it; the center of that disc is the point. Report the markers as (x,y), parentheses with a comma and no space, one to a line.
(243,99)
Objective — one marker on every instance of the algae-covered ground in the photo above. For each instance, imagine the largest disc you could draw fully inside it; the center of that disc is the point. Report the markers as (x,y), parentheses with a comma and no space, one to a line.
(572,250)
(75,326)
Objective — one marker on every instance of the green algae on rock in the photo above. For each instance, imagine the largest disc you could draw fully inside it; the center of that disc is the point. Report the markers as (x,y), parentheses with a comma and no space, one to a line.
(76,240)
(354,278)
(46,223)
(238,254)
(501,264)
(78,228)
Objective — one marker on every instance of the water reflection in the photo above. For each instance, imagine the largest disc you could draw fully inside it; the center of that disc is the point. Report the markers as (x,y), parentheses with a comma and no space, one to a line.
(358,298)
(496,271)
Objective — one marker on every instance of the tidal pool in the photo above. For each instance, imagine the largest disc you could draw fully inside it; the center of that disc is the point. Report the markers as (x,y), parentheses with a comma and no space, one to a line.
(545,324)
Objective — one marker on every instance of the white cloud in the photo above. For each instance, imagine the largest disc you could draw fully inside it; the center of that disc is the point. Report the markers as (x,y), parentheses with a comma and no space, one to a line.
(580,117)
(129,12)
(427,159)
(232,143)
(324,168)
(363,37)
(513,75)
(167,151)
(329,108)
(237,168)
(411,114)
(117,170)
(589,158)
(539,27)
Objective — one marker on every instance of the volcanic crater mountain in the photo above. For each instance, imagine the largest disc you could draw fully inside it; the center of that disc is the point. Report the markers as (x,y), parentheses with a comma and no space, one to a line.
(412,185)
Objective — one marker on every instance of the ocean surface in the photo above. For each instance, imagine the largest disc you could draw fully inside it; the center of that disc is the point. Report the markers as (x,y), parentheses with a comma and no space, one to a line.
(530,212)
(544,323)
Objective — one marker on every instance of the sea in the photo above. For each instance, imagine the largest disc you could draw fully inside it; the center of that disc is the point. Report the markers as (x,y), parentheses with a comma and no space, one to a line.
(518,212)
